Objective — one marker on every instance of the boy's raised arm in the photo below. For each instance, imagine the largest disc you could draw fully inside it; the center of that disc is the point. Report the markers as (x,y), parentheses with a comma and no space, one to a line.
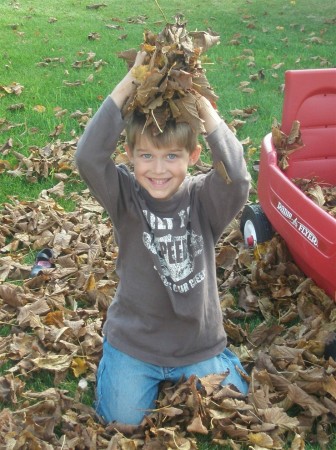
(127,86)
(208,114)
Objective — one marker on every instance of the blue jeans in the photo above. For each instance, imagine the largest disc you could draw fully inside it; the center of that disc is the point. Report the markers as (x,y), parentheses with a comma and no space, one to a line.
(127,388)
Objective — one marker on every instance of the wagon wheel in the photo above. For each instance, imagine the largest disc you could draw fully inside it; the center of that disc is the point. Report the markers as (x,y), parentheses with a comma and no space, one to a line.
(255,226)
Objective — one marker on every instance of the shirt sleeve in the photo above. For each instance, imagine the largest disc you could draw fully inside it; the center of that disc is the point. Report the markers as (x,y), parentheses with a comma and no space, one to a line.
(225,189)
(93,155)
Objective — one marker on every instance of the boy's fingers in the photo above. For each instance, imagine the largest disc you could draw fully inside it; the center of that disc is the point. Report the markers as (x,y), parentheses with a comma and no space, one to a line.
(140,57)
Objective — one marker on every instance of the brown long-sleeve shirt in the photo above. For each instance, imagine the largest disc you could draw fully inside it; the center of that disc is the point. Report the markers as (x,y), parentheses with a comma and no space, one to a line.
(166,309)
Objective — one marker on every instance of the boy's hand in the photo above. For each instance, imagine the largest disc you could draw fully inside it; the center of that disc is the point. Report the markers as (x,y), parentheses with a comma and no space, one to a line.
(208,114)
(127,86)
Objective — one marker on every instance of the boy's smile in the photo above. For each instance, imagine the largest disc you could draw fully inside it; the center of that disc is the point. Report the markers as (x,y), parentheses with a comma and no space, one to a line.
(160,171)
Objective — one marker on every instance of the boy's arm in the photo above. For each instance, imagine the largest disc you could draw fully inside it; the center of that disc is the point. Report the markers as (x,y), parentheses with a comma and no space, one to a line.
(94,149)
(99,141)
(225,189)
(226,150)
(127,85)
(208,114)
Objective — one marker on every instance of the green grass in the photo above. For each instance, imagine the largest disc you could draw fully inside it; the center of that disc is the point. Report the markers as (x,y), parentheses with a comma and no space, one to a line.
(273,36)
(269,33)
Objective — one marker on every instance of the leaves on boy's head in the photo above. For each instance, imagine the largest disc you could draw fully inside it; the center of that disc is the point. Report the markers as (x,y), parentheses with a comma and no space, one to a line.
(204,40)
(172,76)
(129,56)
(140,73)
(188,109)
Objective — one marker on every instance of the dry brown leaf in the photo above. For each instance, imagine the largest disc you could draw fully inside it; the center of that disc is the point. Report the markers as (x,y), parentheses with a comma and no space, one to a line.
(53,362)
(221,169)
(170,411)
(12,295)
(28,313)
(79,366)
(285,145)
(39,108)
(196,426)
(262,440)
(300,397)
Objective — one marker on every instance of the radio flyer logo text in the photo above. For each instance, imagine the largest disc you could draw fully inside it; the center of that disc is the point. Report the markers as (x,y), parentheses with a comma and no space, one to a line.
(303,229)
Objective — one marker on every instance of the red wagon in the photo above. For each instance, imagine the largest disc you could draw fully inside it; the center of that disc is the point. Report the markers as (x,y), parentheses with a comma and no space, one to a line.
(308,230)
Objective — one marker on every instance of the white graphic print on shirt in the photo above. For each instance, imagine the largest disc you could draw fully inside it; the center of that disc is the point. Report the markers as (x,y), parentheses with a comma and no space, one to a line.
(176,253)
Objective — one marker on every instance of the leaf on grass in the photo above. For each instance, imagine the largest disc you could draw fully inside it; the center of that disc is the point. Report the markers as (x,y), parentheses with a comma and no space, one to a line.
(57,130)
(5,125)
(59,112)
(5,148)
(73,83)
(96,6)
(94,36)
(53,362)
(13,88)
(79,366)
(39,108)
(16,107)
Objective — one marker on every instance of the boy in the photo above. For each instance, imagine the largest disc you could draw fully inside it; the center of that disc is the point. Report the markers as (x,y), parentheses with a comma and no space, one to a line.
(165,320)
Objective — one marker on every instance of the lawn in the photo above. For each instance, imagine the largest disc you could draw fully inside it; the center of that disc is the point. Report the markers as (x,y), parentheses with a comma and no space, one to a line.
(58,61)
(58,67)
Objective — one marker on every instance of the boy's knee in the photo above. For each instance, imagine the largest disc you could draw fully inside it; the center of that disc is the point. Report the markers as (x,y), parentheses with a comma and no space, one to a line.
(126,415)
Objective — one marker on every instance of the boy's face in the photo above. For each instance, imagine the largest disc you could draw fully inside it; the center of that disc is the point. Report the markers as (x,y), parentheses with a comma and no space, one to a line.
(160,171)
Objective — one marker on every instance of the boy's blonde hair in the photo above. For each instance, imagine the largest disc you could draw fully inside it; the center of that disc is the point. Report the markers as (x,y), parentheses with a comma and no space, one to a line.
(174,134)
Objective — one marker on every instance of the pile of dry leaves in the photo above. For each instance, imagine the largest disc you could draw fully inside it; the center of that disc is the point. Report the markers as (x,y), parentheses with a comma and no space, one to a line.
(323,194)
(55,322)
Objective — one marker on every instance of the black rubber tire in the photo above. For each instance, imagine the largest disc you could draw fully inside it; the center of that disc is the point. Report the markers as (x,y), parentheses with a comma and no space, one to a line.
(330,346)
(254,217)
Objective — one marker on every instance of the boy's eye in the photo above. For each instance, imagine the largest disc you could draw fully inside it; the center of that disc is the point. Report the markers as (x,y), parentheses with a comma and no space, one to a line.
(146,156)
(171,156)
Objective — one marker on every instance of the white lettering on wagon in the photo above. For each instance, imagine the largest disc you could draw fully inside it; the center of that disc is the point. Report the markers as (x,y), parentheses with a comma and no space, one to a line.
(284,211)
(303,229)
